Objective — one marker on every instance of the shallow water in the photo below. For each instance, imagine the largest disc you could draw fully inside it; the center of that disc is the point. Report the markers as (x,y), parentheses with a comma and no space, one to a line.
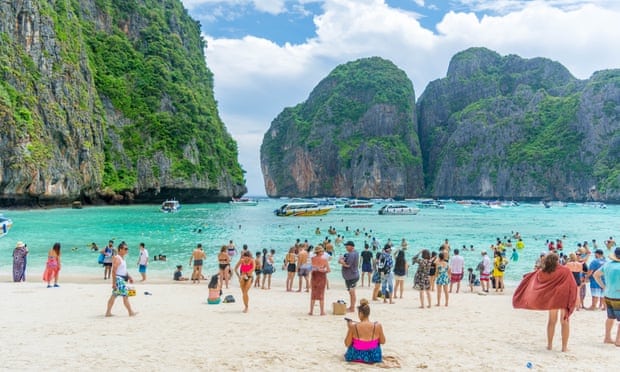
(175,235)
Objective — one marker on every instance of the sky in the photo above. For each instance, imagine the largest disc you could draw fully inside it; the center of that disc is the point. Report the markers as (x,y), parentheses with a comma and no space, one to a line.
(267,55)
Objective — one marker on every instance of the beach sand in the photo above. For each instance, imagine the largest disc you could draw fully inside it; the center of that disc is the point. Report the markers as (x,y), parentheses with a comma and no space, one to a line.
(64,329)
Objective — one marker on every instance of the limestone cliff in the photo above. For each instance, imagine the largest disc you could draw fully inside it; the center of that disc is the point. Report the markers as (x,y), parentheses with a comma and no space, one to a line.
(108,100)
(508,127)
(495,127)
(354,136)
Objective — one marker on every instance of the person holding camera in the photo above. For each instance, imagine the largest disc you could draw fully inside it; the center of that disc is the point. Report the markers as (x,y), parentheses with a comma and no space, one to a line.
(364,338)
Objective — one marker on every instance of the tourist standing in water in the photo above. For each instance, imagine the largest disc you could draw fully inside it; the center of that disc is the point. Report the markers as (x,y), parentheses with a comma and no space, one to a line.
(197,258)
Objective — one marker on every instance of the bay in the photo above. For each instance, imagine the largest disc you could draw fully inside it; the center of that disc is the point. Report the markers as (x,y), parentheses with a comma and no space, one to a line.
(176,235)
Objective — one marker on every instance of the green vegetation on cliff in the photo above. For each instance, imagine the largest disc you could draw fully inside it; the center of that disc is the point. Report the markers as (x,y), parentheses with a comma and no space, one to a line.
(158,79)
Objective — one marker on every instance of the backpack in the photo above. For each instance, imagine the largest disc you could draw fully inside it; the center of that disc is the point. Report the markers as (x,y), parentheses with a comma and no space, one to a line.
(381,263)
(480,266)
(502,266)
(229,299)
(385,263)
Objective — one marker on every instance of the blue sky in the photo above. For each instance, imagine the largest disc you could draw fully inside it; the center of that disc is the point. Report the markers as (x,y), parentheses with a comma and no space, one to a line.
(269,54)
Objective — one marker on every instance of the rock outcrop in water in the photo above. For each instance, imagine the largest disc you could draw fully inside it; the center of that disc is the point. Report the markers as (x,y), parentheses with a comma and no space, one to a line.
(108,100)
(354,136)
(494,127)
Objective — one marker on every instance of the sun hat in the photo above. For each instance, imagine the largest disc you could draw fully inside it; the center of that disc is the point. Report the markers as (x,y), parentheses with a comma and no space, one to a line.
(543,253)
(616,255)
(19,244)
(350,242)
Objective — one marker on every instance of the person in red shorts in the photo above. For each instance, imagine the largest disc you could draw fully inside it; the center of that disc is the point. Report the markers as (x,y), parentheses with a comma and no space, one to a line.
(457,265)
(485,271)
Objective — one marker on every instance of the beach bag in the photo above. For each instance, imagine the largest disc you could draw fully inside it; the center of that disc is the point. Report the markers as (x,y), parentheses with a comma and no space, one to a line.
(480,266)
(100,259)
(502,266)
(382,264)
(267,267)
(229,299)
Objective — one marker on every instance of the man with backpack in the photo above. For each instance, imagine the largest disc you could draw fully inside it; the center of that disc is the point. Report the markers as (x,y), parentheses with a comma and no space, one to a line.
(384,266)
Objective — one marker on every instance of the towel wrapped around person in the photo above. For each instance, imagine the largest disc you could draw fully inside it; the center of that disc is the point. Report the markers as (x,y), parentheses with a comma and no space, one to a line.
(540,290)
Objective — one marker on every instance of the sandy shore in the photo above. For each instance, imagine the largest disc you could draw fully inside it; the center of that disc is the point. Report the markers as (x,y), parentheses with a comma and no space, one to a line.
(64,329)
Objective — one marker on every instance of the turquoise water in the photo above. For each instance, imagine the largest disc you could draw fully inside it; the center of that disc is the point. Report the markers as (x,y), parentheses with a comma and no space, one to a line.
(175,235)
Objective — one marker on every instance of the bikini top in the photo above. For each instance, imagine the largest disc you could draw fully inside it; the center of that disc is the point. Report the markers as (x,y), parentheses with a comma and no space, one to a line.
(246,268)
(365,344)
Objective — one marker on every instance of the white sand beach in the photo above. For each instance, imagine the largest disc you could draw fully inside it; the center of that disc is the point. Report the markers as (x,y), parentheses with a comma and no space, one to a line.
(64,329)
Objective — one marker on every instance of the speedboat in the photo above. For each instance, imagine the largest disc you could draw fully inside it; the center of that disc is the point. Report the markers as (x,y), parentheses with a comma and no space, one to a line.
(430,203)
(303,209)
(170,206)
(358,204)
(398,209)
(244,201)
(5,225)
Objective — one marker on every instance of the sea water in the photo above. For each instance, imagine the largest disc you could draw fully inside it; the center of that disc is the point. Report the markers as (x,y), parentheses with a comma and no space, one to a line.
(176,234)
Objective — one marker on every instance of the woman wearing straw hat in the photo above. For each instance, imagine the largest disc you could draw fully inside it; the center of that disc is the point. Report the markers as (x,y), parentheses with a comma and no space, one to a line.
(611,292)
(318,279)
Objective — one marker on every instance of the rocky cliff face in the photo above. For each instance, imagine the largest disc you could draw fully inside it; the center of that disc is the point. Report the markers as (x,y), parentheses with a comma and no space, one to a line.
(93,108)
(494,127)
(507,127)
(355,136)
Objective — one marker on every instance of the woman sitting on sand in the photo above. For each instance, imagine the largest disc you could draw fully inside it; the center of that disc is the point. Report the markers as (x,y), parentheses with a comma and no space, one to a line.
(245,271)
(364,338)
(215,290)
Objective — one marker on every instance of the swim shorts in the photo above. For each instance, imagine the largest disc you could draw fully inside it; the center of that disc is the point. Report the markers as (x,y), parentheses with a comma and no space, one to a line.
(366,267)
(350,283)
(455,278)
(142,269)
(613,308)
(596,292)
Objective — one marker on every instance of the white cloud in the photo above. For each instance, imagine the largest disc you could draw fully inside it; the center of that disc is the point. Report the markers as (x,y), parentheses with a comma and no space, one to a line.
(255,79)
(270,6)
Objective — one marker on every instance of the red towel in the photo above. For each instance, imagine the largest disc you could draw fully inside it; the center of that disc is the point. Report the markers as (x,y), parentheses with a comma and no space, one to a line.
(546,291)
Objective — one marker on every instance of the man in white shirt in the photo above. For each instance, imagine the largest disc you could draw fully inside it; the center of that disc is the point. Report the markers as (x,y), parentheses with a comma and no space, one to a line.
(486,271)
(457,264)
(143,260)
